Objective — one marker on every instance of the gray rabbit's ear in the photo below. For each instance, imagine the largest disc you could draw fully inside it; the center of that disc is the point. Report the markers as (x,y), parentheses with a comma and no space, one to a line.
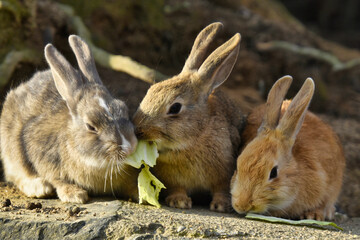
(273,104)
(201,44)
(218,66)
(85,59)
(66,78)
(290,124)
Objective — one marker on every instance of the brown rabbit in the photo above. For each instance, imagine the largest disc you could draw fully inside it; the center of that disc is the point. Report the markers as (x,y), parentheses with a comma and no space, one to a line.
(194,125)
(292,167)
(62,131)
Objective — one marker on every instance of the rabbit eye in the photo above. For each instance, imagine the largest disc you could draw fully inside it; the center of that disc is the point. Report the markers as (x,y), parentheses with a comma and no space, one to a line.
(175,108)
(273,173)
(91,128)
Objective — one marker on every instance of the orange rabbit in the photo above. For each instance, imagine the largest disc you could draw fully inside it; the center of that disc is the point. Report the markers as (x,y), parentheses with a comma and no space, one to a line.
(292,164)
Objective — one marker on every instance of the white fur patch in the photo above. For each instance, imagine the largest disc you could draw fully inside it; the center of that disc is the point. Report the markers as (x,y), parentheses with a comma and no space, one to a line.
(126,145)
(94,163)
(102,104)
(35,187)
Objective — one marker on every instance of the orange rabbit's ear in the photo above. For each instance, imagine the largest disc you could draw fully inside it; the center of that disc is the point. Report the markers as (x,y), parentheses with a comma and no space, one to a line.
(273,104)
(290,123)
(201,44)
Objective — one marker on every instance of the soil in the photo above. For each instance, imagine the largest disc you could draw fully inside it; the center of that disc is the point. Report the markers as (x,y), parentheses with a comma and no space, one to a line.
(52,219)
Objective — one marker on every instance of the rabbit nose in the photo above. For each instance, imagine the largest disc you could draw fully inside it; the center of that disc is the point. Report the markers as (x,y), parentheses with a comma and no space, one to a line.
(243,208)
(125,136)
(129,146)
(139,133)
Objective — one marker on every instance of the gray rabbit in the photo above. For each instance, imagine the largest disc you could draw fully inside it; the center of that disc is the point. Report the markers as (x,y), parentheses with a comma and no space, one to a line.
(62,131)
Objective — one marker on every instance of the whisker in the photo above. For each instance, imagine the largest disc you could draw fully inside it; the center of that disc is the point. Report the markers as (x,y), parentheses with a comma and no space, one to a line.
(114,165)
(106,174)
(119,168)
(111,180)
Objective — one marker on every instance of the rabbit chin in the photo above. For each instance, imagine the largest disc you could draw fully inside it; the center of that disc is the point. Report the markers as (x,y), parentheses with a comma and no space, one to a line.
(281,206)
(254,209)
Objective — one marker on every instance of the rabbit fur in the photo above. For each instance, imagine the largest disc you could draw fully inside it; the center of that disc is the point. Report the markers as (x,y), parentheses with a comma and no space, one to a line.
(292,167)
(63,132)
(196,127)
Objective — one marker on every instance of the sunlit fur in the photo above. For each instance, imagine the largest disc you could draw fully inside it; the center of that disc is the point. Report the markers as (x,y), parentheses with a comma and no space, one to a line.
(198,145)
(310,170)
(46,146)
(195,148)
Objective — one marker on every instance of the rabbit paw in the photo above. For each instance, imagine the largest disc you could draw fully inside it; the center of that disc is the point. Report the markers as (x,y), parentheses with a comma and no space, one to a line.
(72,193)
(179,200)
(36,187)
(321,213)
(220,203)
(330,212)
(316,214)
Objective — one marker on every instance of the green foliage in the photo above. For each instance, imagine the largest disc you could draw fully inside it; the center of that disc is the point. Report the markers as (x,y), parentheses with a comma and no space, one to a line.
(149,186)
(146,152)
(12,13)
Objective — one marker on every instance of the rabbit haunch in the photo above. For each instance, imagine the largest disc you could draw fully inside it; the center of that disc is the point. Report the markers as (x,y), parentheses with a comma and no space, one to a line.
(63,131)
(196,127)
(292,164)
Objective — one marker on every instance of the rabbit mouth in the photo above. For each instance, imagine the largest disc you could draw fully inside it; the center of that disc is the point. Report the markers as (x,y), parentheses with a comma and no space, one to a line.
(115,154)
(280,205)
(152,134)
(163,140)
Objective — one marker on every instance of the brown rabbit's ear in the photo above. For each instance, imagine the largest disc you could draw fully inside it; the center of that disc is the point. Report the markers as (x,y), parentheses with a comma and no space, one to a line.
(201,44)
(66,79)
(290,123)
(273,103)
(84,58)
(218,66)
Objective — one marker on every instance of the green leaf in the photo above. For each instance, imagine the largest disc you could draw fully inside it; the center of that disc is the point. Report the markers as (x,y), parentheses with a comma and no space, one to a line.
(305,222)
(145,152)
(149,187)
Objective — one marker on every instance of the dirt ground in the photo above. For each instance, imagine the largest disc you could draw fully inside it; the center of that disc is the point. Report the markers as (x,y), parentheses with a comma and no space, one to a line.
(117,219)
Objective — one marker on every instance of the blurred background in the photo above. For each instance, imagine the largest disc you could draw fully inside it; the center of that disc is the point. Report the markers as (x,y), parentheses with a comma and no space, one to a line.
(309,38)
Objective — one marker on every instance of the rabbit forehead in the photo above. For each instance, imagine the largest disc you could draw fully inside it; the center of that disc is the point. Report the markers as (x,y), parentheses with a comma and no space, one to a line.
(161,94)
(259,157)
(251,183)
(98,105)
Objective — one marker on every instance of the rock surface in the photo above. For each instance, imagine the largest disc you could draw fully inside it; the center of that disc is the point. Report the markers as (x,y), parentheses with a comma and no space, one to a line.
(117,219)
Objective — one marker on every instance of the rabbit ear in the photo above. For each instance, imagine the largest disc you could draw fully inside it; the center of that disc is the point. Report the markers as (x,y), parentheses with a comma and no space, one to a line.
(85,59)
(273,103)
(66,79)
(218,66)
(201,44)
(290,123)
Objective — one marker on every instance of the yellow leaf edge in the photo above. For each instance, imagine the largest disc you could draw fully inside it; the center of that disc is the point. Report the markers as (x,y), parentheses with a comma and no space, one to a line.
(152,196)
